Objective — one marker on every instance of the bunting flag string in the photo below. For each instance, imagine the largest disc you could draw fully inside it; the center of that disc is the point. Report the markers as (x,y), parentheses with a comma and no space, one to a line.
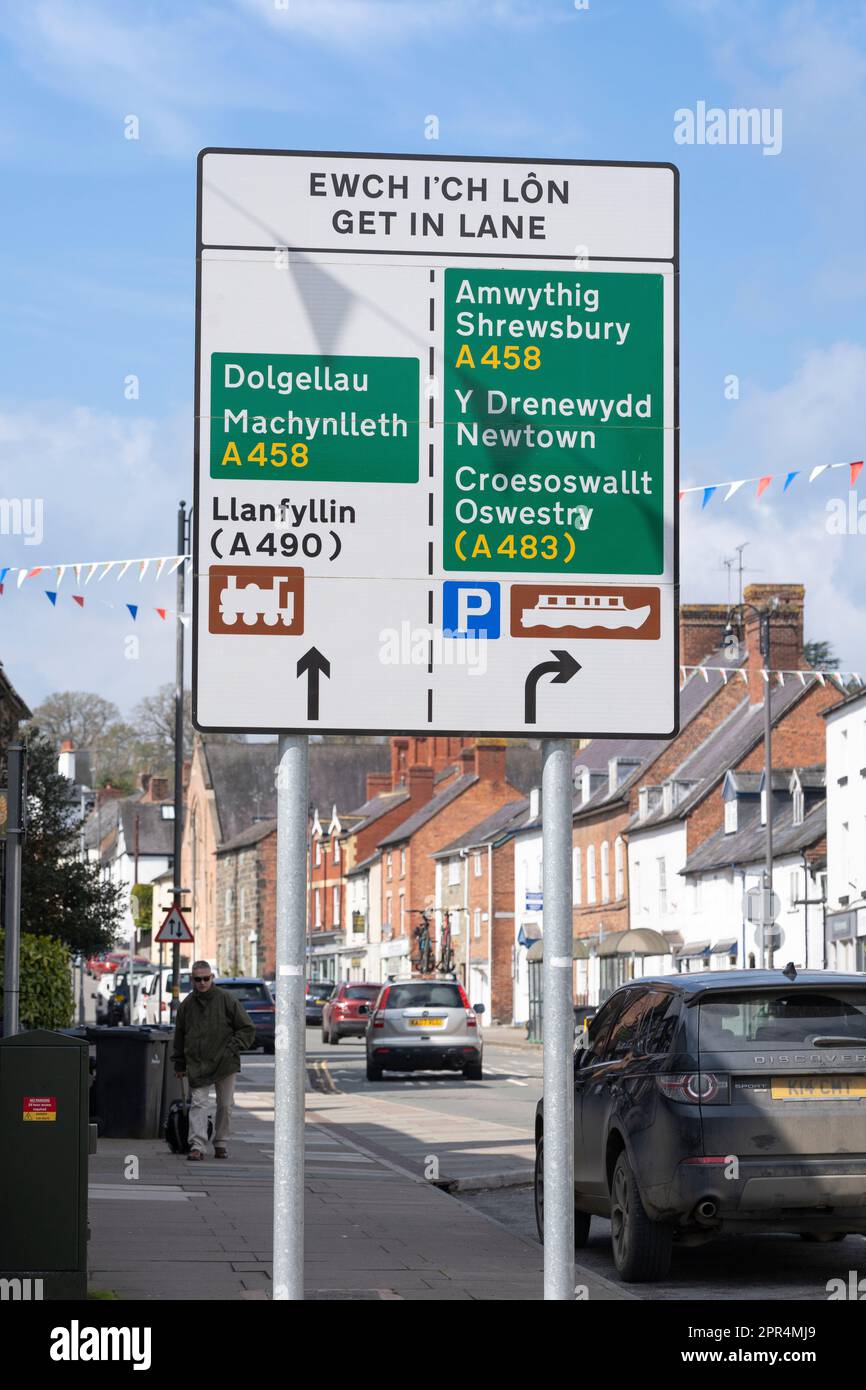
(841,678)
(90,567)
(762,481)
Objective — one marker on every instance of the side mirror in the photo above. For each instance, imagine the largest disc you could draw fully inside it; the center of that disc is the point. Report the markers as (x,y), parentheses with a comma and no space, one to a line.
(363,1008)
(479,1008)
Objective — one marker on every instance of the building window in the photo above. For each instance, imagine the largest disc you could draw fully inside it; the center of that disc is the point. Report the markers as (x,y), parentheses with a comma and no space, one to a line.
(476,923)
(230,902)
(635,886)
(402,863)
(696,894)
(388,909)
(453,872)
(389,866)
(335,905)
(402,914)
(663,885)
(730,816)
(799,806)
(575,876)
(590,874)
(318,856)
(619,867)
(336,850)
(476,861)
(242,905)
(605,872)
(318,907)
(794,887)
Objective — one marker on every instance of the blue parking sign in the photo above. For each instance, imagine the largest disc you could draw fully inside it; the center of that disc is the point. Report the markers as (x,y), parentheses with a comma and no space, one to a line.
(470,610)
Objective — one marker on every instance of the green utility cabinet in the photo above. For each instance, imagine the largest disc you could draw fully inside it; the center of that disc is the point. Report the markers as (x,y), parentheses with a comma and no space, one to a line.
(44,1124)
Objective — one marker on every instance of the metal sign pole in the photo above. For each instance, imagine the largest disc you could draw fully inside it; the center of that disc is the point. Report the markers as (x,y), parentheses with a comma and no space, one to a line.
(558,1020)
(292,793)
(14,837)
(178,759)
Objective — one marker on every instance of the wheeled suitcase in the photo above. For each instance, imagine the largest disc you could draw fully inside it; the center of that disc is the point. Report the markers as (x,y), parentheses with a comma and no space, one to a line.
(177,1124)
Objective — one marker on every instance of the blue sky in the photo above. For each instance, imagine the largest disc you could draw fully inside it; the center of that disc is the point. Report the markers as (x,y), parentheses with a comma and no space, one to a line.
(98,271)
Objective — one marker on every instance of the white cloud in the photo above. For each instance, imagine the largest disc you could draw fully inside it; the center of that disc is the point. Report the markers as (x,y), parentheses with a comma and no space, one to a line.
(818,416)
(111,484)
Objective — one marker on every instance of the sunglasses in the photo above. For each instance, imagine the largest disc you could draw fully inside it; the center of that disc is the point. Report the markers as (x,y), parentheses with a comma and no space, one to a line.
(201,979)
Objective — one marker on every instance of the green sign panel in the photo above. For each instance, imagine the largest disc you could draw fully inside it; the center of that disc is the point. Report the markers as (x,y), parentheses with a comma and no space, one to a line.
(554,440)
(330,419)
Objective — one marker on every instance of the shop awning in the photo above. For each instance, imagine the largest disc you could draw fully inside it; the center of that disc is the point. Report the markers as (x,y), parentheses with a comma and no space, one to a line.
(579,950)
(694,948)
(642,941)
(724,948)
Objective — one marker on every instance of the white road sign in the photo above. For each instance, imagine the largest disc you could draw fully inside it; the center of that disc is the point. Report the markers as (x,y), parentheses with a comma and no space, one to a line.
(174,927)
(436,445)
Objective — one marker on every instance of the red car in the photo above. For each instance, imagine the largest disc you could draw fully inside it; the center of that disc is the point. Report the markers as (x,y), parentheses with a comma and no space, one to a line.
(108,962)
(341,1014)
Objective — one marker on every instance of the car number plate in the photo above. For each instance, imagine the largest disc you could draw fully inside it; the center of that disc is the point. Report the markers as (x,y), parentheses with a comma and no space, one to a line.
(426,1022)
(819,1088)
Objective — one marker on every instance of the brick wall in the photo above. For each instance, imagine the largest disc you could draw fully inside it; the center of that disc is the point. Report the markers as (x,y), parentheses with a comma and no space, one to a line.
(798,740)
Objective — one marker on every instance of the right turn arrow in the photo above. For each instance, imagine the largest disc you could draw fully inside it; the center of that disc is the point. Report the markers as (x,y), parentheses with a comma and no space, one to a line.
(562,669)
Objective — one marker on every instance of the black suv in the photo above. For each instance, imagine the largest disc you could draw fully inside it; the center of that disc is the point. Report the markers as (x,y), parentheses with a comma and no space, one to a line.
(728,1101)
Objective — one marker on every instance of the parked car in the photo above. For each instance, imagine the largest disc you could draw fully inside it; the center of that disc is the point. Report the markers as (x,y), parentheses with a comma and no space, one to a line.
(423,1025)
(341,1014)
(108,962)
(317,992)
(583,1015)
(158,1009)
(718,1103)
(107,988)
(258,1001)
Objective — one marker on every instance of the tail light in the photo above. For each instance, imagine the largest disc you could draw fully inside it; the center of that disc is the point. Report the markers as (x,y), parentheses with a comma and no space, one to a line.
(695,1088)
(379,1015)
(471,1020)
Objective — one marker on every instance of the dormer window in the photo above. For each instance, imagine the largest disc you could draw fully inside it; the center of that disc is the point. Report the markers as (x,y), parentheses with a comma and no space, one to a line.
(730,816)
(799,802)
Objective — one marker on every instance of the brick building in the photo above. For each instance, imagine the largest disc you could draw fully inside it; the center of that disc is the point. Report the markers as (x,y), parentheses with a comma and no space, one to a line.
(475,895)
(680,812)
(475,789)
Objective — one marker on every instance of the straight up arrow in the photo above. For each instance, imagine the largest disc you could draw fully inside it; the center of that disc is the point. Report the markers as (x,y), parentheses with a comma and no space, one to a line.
(314,665)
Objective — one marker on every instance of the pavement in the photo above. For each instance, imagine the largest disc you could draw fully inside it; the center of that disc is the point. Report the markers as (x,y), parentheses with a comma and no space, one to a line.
(376,1227)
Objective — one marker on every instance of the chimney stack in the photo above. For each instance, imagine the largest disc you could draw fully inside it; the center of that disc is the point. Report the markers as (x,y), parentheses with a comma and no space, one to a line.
(784,602)
(377,783)
(490,761)
(702,629)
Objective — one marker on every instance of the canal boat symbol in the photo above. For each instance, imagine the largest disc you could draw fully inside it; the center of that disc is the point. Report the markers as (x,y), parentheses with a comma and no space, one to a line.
(584,610)
(253,603)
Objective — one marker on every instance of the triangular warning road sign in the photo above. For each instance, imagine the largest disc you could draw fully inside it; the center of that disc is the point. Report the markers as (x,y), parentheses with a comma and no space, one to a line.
(174,928)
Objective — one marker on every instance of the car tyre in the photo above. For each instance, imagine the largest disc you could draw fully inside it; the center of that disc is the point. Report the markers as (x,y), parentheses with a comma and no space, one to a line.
(473,1071)
(334,1037)
(374,1072)
(582,1219)
(641,1247)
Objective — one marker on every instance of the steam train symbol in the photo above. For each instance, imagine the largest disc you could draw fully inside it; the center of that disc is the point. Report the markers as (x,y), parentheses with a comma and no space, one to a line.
(254,603)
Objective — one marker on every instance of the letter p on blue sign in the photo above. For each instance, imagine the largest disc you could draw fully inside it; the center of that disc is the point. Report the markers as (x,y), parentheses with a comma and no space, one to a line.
(470,610)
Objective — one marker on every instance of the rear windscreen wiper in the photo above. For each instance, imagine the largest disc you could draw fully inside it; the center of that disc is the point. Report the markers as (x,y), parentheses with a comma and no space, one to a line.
(828,1041)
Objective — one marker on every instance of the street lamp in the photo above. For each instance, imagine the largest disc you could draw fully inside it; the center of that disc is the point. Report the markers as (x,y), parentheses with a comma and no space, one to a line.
(763,616)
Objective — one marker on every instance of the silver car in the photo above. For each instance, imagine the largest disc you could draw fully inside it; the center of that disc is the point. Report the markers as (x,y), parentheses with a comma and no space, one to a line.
(424,1025)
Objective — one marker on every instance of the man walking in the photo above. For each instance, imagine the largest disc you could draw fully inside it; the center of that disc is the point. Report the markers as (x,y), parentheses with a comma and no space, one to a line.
(210,1032)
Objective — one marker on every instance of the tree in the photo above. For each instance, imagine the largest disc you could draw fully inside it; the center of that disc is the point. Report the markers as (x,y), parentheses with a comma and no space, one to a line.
(819,655)
(61,895)
(76,715)
(153,720)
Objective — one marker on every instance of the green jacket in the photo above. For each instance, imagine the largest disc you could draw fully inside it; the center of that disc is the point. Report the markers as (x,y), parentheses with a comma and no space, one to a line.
(210,1032)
